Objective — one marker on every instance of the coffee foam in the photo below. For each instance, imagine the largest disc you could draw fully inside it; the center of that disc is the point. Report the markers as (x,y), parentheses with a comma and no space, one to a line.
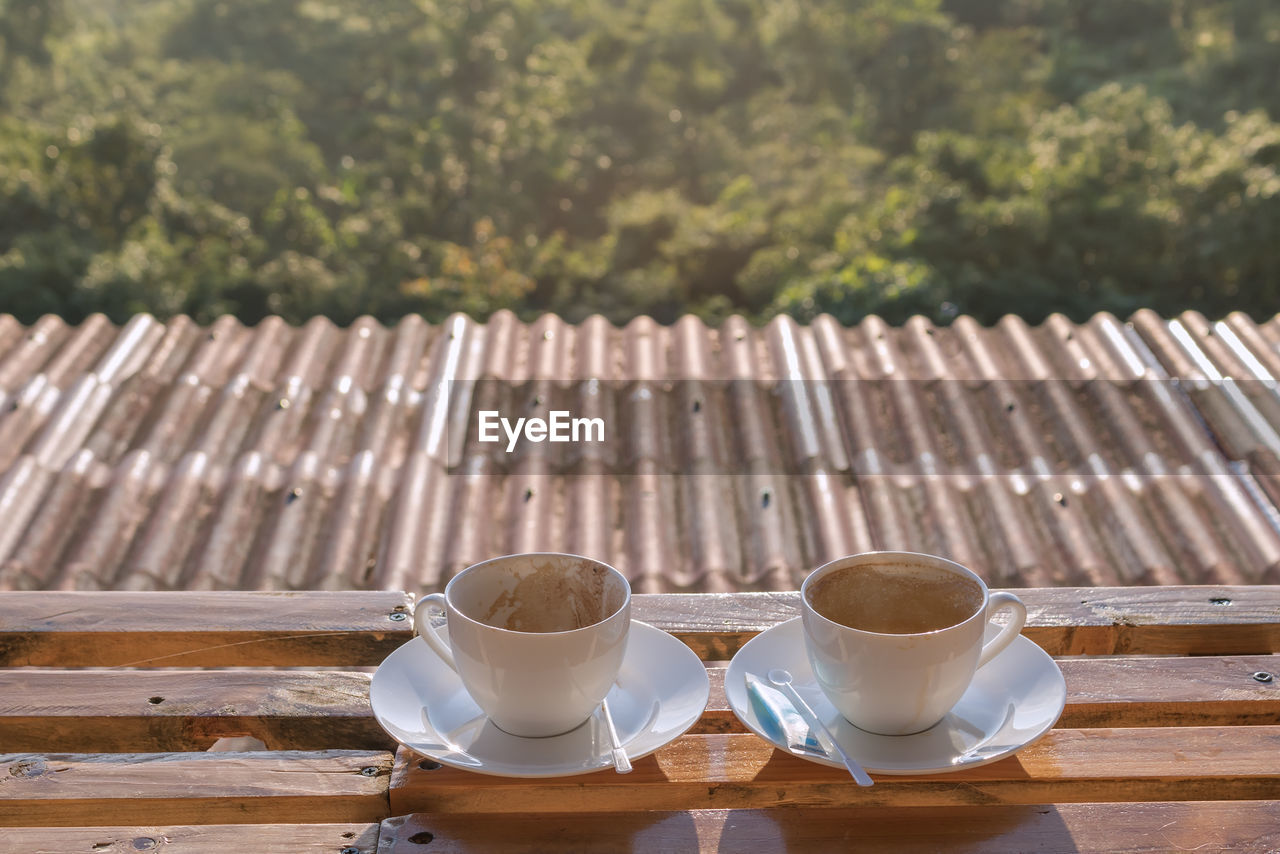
(895,599)
(552,596)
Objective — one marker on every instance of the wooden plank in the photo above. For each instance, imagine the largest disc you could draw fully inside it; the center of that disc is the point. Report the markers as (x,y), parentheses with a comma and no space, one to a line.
(195,839)
(740,771)
(1085,828)
(1197,620)
(1196,691)
(38,790)
(195,629)
(1111,692)
(166,710)
(190,629)
(163,710)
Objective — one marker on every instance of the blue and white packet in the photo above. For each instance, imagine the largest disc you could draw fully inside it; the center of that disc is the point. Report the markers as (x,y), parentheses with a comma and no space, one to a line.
(779,718)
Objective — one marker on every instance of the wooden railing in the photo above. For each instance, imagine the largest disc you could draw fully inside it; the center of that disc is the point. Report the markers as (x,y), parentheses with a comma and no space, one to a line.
(109,703)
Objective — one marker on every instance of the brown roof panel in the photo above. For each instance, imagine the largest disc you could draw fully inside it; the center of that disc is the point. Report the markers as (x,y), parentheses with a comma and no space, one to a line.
(169,455)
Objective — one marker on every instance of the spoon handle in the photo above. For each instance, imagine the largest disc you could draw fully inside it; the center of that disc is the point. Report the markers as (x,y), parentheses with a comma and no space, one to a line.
(621,762)
(825,736)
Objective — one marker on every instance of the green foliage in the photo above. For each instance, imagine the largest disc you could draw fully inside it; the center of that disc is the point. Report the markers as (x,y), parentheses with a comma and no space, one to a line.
(302,157)
(1107,204)
(26,29)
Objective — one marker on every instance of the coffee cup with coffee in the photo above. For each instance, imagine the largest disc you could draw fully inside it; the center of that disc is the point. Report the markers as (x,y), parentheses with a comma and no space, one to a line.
(537,639)
(895,638)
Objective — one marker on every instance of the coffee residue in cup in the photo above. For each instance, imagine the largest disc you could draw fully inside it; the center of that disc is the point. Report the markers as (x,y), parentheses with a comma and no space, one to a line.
(895,599)
(556,598)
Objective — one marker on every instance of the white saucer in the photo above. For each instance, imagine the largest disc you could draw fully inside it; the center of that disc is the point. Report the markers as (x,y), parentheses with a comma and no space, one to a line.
(661,691)
(1011,702)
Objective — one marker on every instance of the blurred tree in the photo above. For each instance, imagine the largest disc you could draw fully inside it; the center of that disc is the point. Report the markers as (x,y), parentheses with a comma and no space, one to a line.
(304,157)
(1105,205)
(26,28)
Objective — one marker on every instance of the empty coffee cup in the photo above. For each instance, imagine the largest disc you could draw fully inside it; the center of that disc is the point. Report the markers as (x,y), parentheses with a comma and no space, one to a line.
(895,638)
(537,639)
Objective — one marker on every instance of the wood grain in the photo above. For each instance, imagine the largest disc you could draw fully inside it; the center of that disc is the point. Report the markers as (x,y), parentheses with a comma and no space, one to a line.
(177,710)
(1183,620)
(733,771)
(1195,691)
(1090,828)
(168,710)
(195,839)
(288,787)
(1124,691)
(189,629)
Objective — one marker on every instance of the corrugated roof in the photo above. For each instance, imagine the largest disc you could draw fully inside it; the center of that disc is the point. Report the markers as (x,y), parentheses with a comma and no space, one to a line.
(171,455)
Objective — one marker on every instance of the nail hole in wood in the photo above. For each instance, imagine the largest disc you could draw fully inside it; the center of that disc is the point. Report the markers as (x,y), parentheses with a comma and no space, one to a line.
(428,765)
(422,837)
(155,701)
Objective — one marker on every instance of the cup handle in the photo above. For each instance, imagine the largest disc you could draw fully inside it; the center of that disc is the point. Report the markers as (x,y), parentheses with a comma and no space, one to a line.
(422,624)
(1003,602)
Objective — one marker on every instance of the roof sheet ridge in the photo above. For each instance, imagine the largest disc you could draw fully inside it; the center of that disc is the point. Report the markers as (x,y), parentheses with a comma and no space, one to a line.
(529,319)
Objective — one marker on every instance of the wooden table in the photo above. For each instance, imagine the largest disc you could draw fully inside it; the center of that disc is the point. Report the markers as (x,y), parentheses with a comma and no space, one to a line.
(109,703)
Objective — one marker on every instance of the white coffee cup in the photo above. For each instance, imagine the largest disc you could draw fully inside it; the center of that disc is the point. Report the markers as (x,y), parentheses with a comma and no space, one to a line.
(537,639)
(895,638)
